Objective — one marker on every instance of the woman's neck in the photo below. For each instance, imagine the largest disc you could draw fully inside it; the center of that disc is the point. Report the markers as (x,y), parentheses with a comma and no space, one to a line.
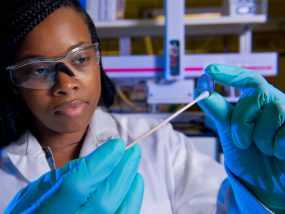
(64,147)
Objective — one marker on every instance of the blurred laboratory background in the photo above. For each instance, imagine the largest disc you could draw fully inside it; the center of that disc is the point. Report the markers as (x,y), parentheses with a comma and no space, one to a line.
(154,50)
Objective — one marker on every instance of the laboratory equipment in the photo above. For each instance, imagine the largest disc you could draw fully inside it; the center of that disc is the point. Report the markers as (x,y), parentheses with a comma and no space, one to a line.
(175,63)
(174,44)
(242,7)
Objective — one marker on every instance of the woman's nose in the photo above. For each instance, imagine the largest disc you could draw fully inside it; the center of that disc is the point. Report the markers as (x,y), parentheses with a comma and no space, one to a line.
(65,82)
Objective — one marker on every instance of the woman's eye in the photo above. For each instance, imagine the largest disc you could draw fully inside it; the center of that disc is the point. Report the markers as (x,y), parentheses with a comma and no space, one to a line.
(81,60)
(41,71)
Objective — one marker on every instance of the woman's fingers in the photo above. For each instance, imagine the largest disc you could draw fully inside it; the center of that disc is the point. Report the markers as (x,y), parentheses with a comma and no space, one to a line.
(218,109)
(244,117)
(279,144)
(131,203)
(110,194)
(133,200)
(235,76)
(269,120)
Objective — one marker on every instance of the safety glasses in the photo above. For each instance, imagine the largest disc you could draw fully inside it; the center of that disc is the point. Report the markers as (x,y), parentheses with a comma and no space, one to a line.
(41,72)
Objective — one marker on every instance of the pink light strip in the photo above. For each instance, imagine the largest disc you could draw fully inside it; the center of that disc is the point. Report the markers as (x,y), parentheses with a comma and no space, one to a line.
(187,69)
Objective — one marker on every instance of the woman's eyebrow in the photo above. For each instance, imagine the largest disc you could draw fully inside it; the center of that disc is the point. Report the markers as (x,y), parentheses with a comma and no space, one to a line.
(30,57)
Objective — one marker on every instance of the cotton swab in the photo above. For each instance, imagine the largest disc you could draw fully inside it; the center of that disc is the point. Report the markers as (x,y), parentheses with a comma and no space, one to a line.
(202,96)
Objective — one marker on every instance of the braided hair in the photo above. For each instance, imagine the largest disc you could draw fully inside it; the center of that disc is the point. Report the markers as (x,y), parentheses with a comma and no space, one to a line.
(21,17)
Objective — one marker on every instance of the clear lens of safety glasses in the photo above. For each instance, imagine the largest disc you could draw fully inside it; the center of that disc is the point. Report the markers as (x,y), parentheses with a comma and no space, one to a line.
(40,73)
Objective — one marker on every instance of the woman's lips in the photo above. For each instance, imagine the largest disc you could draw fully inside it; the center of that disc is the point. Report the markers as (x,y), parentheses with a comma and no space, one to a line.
(71,109)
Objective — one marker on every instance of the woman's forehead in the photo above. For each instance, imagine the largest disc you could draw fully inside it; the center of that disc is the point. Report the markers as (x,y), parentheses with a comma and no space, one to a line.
(62,29)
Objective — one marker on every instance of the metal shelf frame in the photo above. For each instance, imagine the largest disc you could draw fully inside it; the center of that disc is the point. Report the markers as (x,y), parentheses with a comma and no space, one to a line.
(137,27)
(174,27)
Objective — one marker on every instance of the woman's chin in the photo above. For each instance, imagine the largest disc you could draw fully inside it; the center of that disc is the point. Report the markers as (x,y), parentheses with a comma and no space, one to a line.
(71,128)
(65,127)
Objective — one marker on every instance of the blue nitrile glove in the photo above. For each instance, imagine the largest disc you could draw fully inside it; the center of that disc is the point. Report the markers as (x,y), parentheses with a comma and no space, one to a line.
(106,181)
(252,132)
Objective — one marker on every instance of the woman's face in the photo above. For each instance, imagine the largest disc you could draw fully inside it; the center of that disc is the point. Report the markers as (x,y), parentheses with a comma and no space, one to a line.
(68,106)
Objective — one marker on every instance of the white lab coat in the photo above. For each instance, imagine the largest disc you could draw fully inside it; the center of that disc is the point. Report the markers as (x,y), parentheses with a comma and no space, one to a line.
(178,179)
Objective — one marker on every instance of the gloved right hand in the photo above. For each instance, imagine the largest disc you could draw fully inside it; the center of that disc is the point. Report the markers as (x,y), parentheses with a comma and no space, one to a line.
(252,134)
(106,181)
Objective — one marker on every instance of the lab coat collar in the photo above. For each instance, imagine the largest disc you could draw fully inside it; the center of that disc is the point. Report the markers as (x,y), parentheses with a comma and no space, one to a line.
(28,157)
(102,127)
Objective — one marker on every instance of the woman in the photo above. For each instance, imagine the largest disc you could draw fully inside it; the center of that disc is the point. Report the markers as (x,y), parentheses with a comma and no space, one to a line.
(54,91)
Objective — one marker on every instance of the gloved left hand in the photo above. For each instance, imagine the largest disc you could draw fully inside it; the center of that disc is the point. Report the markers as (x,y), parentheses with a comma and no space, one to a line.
(106,181)
(252,132)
